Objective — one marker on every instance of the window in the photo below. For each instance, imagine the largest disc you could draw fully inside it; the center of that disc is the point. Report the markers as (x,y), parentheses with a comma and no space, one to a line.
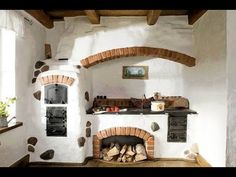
(7,66)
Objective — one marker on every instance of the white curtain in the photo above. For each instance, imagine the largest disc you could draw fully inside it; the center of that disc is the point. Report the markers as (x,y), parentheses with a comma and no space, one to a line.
(12,20)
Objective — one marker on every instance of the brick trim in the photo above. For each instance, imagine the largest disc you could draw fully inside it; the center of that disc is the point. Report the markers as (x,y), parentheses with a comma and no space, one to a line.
(127,131)
(138,51)
(56,79)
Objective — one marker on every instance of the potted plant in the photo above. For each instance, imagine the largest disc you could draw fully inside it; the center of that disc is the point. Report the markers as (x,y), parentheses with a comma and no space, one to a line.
(4,111)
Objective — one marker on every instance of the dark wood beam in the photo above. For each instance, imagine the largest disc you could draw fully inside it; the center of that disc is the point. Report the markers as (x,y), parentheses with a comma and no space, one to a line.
(93,16)
(194,15)
(42,17)
(122,12)
(152,16)
(65,13)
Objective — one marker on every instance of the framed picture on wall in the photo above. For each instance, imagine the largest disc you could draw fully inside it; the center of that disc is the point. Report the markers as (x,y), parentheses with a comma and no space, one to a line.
(135,72)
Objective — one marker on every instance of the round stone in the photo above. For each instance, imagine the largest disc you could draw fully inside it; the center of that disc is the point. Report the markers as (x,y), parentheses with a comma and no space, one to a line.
(88,124)
(81,141)
(34,80)
(30,148)
(45,68)
(37,95)
(36,73)
(32,141)
(47,155)
(39,64)
(154,126)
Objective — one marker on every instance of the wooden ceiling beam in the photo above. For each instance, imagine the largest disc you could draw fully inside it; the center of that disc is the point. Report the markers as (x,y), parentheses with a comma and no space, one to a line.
(93,16)
(194,15)
(152,16)
(42,17)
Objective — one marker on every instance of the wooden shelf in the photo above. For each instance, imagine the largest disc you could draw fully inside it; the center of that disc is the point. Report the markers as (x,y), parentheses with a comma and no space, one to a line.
(10,127)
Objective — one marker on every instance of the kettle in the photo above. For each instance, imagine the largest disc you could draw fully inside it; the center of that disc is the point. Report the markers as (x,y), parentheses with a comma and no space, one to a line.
(4,122)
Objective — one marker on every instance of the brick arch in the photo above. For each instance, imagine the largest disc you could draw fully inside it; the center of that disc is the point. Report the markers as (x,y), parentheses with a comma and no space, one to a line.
(56,79)
(126,131)
(138,51)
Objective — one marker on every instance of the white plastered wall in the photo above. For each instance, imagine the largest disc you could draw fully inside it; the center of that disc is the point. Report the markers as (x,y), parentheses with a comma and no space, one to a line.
(205,85)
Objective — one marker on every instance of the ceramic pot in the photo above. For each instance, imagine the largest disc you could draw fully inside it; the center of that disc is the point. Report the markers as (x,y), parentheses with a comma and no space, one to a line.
(3,122)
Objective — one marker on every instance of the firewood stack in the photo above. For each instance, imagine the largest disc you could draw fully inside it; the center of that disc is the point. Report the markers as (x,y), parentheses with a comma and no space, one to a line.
(125,153)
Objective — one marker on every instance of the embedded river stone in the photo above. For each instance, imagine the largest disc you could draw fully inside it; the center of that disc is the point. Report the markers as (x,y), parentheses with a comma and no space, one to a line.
(30,148)
(81,141)
(154,126)
(88,124)
(39,64)
(37,95)
(36,73)
(88,132)
(45,68)
(32,141)
(86,96)
(47,155)
(34,80)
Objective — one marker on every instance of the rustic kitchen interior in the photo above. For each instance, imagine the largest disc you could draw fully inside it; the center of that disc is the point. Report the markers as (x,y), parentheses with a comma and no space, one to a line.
(114,88)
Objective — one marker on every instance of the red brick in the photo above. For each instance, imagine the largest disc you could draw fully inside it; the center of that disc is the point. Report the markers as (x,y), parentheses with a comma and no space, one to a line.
(50,79)
(54,79)
(113,131)
(104,133)
(45,79)
(65,78)
(146,136)
(137,132)
(108,132)
(118,130)
(142,133)
(59,79)
(150,147)
(122,131)
(70,81)
(99,135)
(127,131)
(151,138)
(132,131)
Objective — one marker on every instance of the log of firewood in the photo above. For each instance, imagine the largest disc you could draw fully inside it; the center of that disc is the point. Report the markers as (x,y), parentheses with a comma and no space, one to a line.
(123,149)
(107,158)
(141,153)
(119,159)
(104,152)
(139,157)
(140,149)
(112,145)
(114,151)
(129,159)
(123,158)
(129,151)
(134,149)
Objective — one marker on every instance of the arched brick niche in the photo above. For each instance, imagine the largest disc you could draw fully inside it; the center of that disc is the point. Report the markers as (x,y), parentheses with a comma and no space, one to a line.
(128,131)
(138,51)
(56,79)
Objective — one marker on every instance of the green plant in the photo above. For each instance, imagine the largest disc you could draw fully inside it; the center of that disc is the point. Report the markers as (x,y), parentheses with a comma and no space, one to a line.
(4,106)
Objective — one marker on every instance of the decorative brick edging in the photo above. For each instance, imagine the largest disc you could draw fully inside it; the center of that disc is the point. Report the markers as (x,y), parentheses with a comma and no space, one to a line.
(138,51)
(128,131)
(56,79)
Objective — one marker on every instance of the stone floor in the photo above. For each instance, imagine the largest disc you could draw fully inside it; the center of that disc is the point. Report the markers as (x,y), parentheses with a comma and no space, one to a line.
(101,163)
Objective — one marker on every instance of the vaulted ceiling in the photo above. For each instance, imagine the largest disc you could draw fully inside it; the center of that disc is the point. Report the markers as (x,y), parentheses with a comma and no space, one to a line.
(47,17)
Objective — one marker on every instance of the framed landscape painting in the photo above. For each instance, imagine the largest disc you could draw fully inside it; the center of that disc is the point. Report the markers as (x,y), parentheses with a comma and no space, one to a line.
(135,72)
